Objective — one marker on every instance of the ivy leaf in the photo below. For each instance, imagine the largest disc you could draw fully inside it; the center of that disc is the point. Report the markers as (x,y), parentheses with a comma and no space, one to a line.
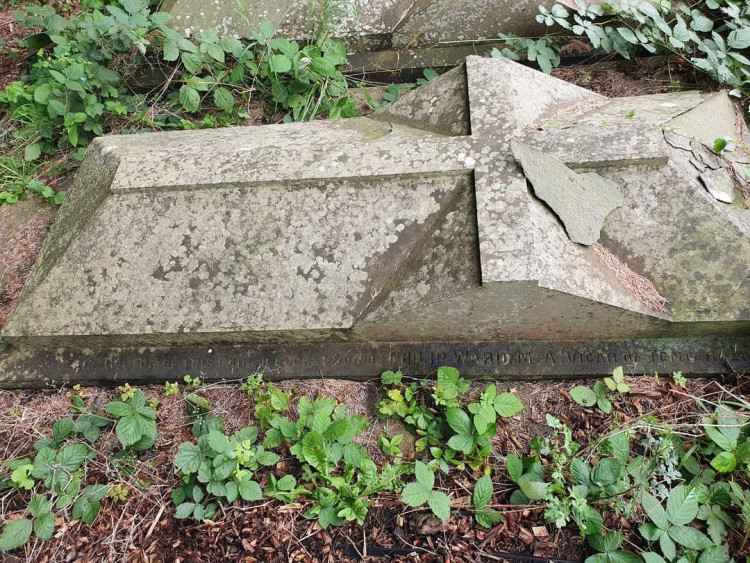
(391,377)
(482,492)
(15,534)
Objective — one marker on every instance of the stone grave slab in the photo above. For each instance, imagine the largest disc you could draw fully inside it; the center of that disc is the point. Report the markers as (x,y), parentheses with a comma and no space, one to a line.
(408,239)
(382,34)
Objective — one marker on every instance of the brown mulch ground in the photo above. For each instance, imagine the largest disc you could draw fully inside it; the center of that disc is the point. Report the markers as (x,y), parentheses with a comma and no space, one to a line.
(144,527)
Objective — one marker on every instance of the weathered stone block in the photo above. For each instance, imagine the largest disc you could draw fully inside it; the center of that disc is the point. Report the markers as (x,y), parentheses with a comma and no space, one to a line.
(348,247)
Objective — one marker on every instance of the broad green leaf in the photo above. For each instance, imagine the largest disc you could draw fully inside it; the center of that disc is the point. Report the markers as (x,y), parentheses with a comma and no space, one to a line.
(188,458)
(654,510)
(185,510)
(651,557)
(461,443)
(231,491)
(650,531)
(190,99)
(250,491)
(607,471)
(219,442)
(44,526)
(15,534)
(32,152)
(223,99)
(482,492)
(129,430)
(668,548)
(415,494)
(689,537)
(682,508)
(534,490)
(119,408)
(440,505)
(488,518)
(314,451)
(714,554)
(627,34)
(739,38)
(583,396)
(424,475)
(391,377)
(580,471)
(459,421)
(507,405)
(72,456)
(171,51)
(724,462)
(39,505)
(515,467)
(279,64)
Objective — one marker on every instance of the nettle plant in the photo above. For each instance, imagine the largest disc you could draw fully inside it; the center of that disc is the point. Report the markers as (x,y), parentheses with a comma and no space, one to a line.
(603,391)
(335,473)
(56,474)
(713,35)
(647,471)
(434,414)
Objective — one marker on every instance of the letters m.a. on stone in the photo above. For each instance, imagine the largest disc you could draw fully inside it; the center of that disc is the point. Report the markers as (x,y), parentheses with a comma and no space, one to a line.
(415,225)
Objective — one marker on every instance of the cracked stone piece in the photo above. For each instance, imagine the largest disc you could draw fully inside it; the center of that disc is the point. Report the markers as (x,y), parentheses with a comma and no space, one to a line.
(720,184)
(581,201)
(678,141)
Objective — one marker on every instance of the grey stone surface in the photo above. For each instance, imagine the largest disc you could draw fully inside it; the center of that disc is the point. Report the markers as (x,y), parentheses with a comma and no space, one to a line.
(720,185)
(414,225)
(581,201)
(367,25)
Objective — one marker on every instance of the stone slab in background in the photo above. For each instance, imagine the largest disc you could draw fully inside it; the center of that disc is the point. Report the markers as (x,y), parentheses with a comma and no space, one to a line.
(415,225)
(399,33)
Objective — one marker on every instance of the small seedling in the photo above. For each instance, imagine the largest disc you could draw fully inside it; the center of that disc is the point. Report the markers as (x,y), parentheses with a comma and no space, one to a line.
(391,445)
(171,389)
(192,382)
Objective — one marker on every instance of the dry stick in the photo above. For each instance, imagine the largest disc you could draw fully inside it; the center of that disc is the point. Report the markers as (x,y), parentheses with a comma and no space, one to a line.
(156,520)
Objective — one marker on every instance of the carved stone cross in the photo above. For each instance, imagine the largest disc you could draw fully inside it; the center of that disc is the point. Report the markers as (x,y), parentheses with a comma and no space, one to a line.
(456,213)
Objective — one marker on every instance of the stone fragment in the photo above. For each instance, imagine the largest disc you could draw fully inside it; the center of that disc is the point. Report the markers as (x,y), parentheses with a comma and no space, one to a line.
(581,201)
(678,141)
(720,184)
(713,119)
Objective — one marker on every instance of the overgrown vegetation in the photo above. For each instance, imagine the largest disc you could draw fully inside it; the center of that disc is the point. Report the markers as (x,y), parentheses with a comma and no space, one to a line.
(58,470)
(78,86)
(712,35)
(683,487)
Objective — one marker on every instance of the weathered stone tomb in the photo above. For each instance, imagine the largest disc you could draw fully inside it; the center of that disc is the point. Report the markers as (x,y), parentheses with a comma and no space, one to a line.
(495,219)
